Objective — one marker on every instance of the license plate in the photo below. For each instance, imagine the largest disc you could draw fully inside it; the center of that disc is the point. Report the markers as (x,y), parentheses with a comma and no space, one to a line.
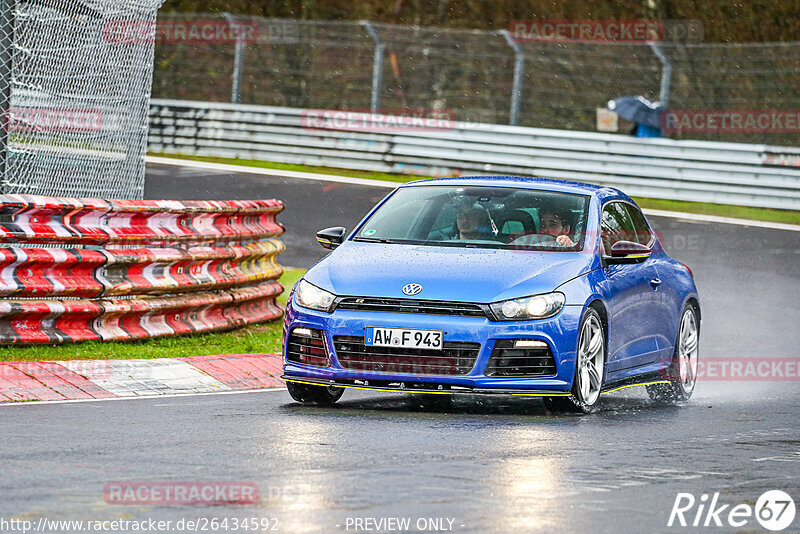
(401,337)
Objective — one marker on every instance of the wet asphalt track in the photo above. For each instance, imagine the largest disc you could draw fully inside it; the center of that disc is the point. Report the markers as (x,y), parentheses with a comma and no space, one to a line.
(499,465)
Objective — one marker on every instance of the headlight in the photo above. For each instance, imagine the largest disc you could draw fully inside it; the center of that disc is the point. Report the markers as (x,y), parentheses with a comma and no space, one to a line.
(536,307)
(310,296)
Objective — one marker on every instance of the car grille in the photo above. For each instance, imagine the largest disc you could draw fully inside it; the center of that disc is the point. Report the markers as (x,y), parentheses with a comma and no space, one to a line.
(433,307)
(455,359)
(508,360)
(307,346)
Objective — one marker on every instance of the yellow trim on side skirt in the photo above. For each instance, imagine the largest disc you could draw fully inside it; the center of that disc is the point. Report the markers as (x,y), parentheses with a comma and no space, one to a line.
(541,394)
(634,385)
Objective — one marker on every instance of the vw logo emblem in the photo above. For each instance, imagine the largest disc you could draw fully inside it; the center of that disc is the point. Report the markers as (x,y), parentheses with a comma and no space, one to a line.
(412,289)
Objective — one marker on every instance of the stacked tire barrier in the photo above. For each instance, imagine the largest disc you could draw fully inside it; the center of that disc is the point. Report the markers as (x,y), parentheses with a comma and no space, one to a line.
(91,269)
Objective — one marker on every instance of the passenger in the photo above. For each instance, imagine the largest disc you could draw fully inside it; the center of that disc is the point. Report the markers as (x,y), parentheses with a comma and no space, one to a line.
(555,223)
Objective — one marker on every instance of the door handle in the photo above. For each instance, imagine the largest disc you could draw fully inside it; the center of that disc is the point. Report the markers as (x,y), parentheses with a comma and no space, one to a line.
(655,282)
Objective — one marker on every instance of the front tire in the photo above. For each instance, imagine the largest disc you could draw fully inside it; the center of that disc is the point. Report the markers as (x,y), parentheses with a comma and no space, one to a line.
(589,369)
(308,394)
(682,372)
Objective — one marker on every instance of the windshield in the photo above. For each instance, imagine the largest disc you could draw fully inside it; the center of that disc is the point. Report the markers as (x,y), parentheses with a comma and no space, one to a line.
(488,217)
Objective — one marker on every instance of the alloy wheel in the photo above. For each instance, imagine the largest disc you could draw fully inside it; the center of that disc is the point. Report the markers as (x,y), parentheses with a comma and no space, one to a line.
(591,361)
(687,351)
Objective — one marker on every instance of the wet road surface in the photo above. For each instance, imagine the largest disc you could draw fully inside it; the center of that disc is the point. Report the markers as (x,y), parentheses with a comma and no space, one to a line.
(503,465)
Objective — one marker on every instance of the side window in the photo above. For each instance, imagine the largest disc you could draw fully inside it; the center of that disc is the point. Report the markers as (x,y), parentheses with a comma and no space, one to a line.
(643,234)
(615,225)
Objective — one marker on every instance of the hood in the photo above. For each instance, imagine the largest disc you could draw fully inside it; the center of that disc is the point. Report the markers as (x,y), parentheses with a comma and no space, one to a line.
(445,273)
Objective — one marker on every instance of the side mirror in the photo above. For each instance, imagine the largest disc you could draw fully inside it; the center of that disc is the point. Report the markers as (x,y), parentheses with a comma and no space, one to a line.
(331,238)
(628,252)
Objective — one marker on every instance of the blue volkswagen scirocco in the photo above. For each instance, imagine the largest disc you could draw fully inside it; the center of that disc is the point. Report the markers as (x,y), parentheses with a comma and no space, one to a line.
(495,285)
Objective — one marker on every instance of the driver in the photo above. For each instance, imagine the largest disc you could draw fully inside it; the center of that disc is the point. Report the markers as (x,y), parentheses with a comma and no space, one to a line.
(555,223)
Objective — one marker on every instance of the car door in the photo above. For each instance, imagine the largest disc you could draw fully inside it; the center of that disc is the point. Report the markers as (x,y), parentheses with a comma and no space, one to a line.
(630,295)
(663,324)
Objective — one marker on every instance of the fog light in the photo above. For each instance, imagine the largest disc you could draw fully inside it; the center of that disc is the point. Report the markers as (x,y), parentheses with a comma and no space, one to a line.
(530,344)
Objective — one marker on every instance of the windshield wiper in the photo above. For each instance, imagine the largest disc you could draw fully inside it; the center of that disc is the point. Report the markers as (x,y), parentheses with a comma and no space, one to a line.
(373,239)
(391,241)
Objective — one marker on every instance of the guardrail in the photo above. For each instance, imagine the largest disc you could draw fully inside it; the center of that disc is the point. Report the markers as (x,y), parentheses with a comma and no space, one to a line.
(704,171)
(90,269)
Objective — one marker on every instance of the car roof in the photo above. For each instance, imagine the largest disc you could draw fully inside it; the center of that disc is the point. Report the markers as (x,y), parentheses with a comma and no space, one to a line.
(528,182)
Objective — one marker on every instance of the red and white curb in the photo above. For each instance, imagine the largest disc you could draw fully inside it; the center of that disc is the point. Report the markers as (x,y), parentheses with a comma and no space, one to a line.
(102,379)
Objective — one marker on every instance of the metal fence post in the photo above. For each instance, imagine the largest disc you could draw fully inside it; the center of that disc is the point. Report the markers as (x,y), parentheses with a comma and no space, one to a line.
(666,73)
(519,70)
(237,62)
(377,66)
(6,65)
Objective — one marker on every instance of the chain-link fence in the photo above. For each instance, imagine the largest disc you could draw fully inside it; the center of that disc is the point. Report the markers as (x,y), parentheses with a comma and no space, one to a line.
(75,79)
(362,66)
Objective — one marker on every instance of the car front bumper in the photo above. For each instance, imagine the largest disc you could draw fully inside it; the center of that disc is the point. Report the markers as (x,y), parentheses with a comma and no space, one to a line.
(559,332)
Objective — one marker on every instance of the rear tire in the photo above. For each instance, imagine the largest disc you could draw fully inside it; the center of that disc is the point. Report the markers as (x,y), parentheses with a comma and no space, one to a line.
(308,394)
(589,369)
(682,371)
